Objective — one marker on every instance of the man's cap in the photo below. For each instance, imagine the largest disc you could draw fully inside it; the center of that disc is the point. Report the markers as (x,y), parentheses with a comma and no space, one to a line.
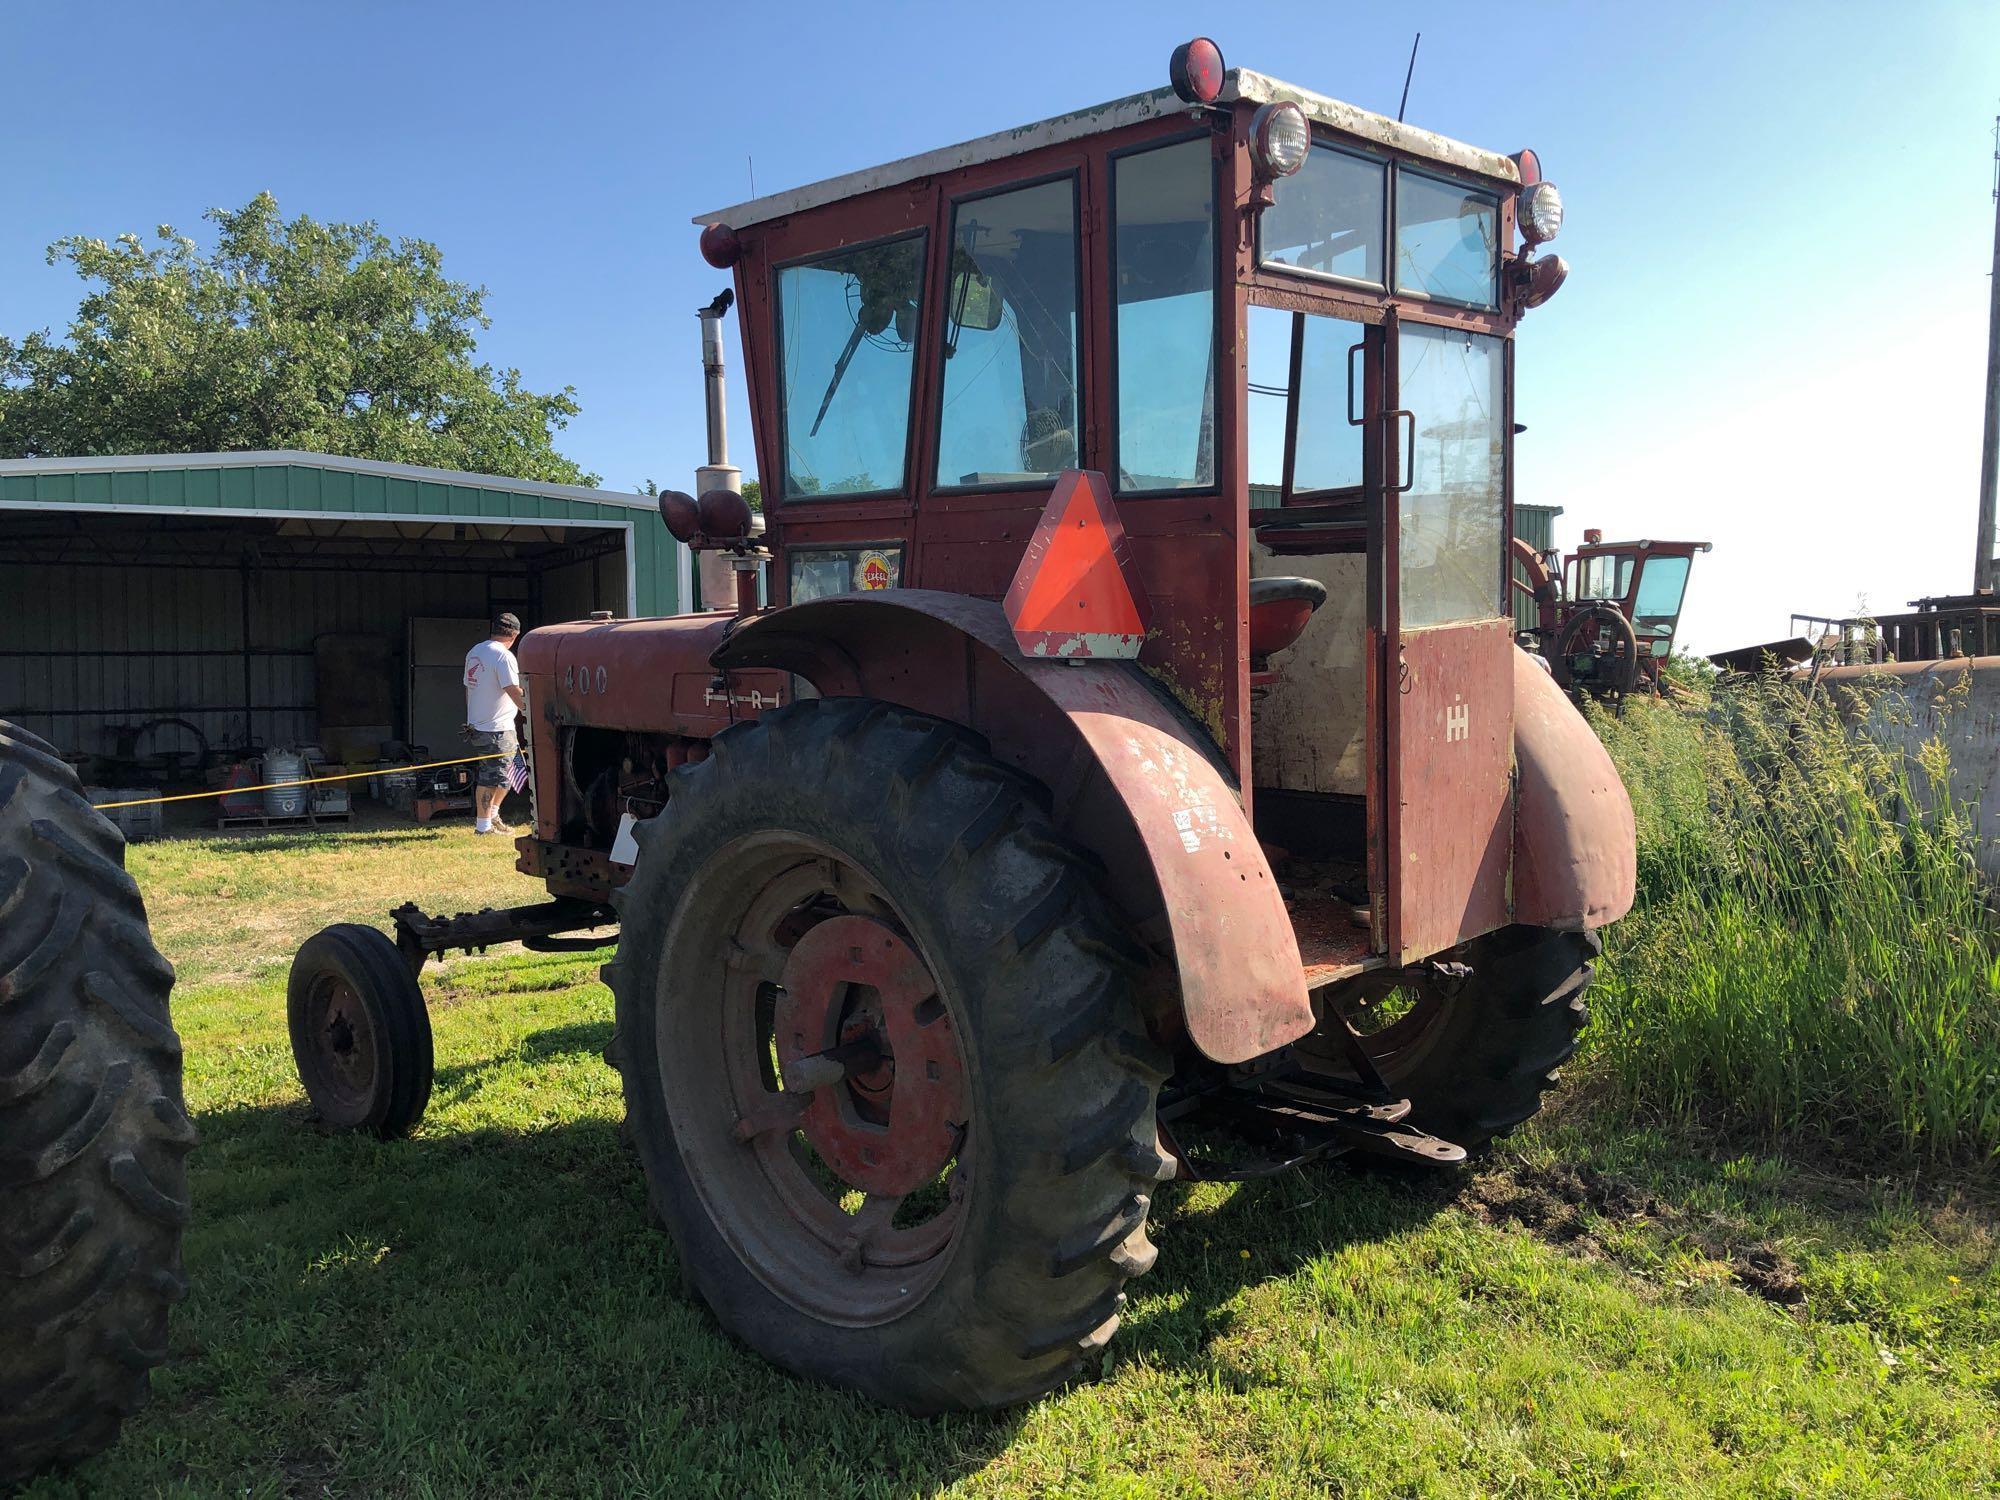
(507,622)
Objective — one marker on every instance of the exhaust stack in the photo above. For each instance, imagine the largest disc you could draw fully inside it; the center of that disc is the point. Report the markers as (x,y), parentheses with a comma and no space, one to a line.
(718,473)
(719,587)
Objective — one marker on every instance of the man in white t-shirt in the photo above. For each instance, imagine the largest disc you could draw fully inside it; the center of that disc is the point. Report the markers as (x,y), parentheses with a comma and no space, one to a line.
(492,697)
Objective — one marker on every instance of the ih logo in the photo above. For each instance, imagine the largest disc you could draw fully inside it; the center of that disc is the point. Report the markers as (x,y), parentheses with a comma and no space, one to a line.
(1458,722)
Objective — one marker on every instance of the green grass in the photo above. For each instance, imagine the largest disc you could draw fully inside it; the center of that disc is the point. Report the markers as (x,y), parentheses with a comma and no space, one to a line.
(1811,955)
(485,1309)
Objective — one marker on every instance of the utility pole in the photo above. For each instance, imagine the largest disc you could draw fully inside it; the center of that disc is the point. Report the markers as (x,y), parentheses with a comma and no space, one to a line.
(1983,576)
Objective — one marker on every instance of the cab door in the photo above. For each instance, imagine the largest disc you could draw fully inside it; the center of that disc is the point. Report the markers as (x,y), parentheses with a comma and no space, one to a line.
(1446,683)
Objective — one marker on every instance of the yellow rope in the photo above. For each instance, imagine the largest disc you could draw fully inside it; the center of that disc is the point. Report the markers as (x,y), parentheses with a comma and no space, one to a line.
(271,786)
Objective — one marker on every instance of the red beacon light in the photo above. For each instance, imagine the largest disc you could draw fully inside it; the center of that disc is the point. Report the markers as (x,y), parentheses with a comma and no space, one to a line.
(720,247)
(1196,71)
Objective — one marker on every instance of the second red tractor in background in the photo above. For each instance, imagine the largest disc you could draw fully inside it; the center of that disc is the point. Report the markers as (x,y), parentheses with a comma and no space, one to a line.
(1606,619)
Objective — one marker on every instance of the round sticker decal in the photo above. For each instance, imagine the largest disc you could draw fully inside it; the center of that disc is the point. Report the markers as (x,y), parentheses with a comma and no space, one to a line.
(874,572)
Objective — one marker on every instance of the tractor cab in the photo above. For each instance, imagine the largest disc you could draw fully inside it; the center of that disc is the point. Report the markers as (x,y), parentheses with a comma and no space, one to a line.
(1276,333)
(1646,579)
(1644,582)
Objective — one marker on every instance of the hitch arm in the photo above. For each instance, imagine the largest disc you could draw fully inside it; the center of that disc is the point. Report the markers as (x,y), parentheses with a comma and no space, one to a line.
(420,935)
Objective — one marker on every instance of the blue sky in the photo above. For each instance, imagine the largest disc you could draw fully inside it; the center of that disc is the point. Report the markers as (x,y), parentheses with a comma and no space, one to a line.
(1778,215)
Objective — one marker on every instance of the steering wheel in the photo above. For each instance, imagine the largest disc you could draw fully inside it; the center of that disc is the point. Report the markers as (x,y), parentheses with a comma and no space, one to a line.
(1597,652)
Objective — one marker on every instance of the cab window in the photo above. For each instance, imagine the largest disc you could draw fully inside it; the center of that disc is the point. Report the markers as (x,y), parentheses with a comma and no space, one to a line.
(1449,538)
(1447,240)
(1302,442)
(1606,576)
(847,329)
(1328,218)
(1010,404)
(1657,606)
(1163,225)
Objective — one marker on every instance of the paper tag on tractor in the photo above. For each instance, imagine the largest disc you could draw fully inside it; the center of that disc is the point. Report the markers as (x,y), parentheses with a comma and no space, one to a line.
(625,848)
(1077,594)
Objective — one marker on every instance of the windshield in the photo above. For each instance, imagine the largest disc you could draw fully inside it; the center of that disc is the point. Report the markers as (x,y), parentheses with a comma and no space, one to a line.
(1608,575)
(1163,229)
(1662,583)
(1010,383)
(848,328)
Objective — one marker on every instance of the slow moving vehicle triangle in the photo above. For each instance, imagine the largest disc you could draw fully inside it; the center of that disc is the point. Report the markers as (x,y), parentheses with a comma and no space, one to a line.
(1077,592)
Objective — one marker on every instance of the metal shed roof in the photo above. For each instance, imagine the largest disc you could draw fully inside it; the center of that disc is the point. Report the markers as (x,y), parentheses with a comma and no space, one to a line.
(143,463)
(1238,83)
(320,486)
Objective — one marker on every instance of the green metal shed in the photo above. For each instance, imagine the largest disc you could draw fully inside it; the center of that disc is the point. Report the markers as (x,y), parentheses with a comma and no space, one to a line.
(1535,525)
(221,588)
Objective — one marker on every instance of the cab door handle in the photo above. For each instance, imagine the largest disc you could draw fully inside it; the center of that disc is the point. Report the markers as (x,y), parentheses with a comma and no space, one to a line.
(1409,452)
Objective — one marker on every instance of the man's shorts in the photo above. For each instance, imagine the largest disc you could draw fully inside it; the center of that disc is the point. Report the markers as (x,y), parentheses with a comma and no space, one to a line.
(490,742)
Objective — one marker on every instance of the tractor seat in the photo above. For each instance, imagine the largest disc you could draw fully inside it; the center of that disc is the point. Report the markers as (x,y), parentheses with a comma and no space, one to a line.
(1279,610)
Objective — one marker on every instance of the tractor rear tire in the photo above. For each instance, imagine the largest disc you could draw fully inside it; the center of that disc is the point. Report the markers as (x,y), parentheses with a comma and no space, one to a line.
(1480,1064)
(361,1035)
(93,1132)
(938,851)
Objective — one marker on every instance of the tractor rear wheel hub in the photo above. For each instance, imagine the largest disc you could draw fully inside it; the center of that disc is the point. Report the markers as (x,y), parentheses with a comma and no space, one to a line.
(855,992)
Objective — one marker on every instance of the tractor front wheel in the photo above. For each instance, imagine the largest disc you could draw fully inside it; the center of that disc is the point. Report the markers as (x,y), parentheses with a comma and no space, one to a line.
(882,1059)
(361,1037)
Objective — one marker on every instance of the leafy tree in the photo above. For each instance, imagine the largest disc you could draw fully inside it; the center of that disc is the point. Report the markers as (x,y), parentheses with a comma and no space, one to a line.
(325,337)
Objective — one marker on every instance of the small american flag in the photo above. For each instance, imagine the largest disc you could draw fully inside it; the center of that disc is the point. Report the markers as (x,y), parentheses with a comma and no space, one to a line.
(517,772)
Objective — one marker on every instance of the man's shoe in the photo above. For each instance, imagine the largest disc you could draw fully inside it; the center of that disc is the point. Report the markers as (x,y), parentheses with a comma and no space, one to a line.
(500,827)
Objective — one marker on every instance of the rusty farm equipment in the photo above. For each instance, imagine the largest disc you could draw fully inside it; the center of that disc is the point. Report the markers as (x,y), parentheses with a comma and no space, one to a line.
(1063,824)
(1606,618)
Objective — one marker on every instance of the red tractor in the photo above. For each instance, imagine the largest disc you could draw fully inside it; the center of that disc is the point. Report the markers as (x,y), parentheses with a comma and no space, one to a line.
(1063,825)
(1607,621)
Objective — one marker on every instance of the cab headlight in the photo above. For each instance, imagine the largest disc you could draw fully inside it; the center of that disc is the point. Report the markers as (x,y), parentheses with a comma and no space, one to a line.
(1279,139)
(1540,211)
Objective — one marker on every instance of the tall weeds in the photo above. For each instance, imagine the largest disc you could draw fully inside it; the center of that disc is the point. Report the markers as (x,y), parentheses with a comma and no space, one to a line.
(1812,952)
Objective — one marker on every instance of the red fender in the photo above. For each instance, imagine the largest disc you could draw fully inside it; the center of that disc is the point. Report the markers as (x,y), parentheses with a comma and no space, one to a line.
(1133,779)
(1575,845)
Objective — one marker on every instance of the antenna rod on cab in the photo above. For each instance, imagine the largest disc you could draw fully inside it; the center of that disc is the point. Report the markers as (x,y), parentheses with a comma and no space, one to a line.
(1985,574)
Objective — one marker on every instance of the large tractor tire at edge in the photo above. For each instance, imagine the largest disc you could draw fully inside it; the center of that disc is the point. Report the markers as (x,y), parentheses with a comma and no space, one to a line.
(93,1133)
(937,851)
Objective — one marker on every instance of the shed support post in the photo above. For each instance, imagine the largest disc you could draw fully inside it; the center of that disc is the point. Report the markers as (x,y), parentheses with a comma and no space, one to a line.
(243,590)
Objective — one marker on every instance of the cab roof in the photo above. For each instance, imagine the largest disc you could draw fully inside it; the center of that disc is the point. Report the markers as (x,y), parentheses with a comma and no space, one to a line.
(1237,84)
